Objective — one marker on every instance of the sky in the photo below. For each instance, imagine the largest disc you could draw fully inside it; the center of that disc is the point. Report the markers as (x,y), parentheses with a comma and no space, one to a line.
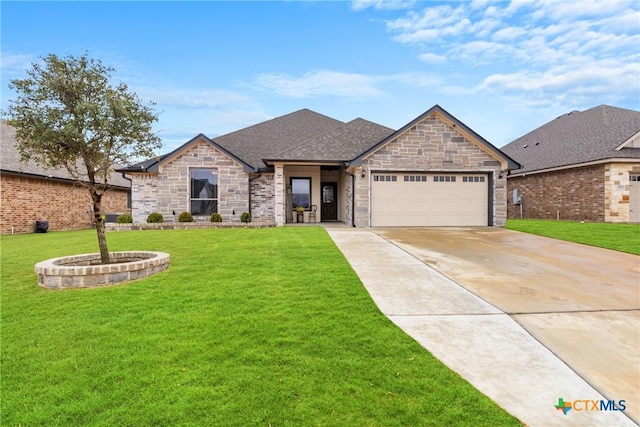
(503,68)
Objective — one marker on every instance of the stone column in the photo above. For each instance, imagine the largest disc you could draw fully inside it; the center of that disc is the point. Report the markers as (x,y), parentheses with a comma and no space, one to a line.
(279,193)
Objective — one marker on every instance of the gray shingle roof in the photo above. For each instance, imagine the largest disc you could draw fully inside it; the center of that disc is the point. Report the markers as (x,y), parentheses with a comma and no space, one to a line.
(577,137)
(265,140)
(10,161)
(343,143)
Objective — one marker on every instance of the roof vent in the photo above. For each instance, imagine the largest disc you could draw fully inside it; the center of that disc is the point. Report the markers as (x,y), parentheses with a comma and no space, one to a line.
(525,145)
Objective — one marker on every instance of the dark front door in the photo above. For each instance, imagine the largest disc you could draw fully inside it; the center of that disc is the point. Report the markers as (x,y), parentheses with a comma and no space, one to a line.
(329,206)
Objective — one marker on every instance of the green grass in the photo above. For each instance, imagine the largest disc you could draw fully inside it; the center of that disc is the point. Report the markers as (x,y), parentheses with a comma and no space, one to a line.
(619,237)
(247,327)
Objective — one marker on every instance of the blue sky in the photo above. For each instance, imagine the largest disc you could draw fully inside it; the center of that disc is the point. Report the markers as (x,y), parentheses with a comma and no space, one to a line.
(503,68)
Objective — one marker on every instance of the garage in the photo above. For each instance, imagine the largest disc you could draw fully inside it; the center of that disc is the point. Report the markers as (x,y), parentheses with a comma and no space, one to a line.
(429,199)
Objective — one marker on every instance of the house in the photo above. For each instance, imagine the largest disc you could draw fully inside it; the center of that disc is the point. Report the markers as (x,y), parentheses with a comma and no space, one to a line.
(30,193)
(584,166)
(434,171)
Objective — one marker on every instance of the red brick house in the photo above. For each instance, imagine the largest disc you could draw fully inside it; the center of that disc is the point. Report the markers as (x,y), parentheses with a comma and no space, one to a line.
(29,193)
(583,166)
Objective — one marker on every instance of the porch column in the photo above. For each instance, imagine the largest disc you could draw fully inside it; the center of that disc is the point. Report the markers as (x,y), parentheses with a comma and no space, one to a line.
(279,193)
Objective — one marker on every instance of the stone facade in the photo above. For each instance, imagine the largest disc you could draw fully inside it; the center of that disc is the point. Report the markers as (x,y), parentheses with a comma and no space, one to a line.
(576,194)
(617,190)
(431,145)
(168,191)
(64,204)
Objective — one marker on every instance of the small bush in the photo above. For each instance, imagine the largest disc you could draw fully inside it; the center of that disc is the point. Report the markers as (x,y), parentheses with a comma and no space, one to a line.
(216,217)
(185,217)
(155,217)
(124,219)
(245,217)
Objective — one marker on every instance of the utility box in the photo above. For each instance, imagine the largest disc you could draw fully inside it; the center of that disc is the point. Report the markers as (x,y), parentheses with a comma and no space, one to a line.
(517,197)
(111,217)
(42,226)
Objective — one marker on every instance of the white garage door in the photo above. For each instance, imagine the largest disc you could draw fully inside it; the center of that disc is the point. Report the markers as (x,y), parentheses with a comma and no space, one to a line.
(438,199)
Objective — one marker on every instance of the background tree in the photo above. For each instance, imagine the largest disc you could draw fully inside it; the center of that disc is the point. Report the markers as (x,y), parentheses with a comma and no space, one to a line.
(68,114)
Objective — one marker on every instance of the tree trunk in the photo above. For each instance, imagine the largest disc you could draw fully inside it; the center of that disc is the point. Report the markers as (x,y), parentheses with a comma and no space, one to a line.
(97,214)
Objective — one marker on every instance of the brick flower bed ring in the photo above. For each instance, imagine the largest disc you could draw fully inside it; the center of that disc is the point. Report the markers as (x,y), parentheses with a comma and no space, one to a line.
(85,271)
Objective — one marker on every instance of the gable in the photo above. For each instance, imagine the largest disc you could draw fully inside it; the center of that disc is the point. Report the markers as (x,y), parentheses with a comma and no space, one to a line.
(199,151)
(441,138)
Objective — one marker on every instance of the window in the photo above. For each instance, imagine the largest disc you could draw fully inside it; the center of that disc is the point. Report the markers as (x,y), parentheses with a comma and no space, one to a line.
(204,191)
(301,192)
(415,178)
(445,178)
(476,178)
(634,178)
(385,178)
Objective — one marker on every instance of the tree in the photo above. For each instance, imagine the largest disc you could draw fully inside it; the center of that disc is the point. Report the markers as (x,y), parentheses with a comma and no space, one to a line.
(68,114)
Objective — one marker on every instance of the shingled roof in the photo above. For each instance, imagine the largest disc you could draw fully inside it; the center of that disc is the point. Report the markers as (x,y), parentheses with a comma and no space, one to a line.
(343,143)
(10,162)
(576,138)
(265,140)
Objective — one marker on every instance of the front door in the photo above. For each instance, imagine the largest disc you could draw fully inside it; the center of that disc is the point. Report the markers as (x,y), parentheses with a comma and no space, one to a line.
(329,206)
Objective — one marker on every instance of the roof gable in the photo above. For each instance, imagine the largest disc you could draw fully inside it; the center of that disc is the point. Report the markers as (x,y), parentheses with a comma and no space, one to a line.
(155,165)
(578,137)
(460,127)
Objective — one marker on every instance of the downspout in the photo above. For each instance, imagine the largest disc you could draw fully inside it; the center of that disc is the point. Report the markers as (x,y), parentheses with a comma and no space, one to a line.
(130,201)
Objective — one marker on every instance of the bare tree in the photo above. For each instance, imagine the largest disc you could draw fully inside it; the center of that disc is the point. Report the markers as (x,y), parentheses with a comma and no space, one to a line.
(68,114)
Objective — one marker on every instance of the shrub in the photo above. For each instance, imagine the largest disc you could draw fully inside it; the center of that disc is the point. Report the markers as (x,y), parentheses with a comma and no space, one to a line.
(185,217)
(155,217)
(216,217)
(245,217)
(124,219)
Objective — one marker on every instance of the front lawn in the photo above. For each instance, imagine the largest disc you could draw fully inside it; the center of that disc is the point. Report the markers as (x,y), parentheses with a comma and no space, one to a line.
(619,237)
(246,327)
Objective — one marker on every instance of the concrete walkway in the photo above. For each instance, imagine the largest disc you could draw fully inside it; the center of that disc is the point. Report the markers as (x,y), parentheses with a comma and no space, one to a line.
(472,337)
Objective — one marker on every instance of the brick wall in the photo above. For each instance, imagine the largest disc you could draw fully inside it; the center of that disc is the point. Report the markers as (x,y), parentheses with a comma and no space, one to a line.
(263,198)
(64,204)
(431,145)
(572,194)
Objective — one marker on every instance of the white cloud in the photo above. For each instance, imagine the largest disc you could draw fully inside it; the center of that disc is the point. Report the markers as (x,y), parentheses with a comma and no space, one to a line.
(432,58)
(319,83)
(15,63)
(192,98)
(340,84)
(551,51)
(382,4)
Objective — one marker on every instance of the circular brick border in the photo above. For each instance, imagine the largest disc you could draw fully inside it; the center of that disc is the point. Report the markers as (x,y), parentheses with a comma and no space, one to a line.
(85,271)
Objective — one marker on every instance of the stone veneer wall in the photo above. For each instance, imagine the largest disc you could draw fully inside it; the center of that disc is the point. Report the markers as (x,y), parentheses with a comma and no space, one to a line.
(168,191)
(617,190)
(263,198)
(65,205)
(346,180)
(576,194)
(431,145)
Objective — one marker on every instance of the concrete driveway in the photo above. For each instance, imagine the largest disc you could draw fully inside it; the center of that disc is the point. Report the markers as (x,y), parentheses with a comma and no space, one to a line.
(525,319)
(581,302)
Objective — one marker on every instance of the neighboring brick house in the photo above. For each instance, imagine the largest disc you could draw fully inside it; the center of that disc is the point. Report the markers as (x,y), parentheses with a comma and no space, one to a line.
(583,166)
(434,171)
(29,193)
